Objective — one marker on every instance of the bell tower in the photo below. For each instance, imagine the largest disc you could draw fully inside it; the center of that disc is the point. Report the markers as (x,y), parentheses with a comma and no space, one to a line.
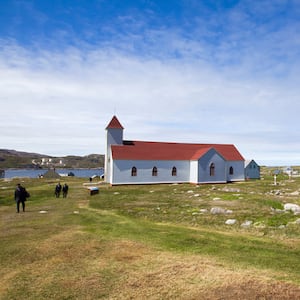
(114,136)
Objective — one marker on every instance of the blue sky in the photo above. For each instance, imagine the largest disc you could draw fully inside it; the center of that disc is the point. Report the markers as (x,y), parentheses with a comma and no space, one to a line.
(179,71)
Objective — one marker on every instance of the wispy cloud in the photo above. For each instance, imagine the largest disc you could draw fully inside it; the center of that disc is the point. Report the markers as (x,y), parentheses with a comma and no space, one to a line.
(231,78)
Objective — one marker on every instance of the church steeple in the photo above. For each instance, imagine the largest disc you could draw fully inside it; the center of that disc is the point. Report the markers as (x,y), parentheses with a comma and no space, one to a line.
(114,123)
(114,136)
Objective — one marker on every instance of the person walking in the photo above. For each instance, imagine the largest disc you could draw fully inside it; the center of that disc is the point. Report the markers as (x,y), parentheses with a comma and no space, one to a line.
(57,190)
(21,196)
(65,190)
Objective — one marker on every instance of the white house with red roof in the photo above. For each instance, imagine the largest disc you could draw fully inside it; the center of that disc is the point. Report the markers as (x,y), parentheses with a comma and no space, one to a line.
(143,162)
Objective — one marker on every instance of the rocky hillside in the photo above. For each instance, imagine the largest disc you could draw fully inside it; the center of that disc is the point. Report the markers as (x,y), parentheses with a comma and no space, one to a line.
(19,159)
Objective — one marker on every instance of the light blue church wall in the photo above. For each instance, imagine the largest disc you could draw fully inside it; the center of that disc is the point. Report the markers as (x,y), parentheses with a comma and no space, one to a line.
(205,174)
(122,171)
(238,171)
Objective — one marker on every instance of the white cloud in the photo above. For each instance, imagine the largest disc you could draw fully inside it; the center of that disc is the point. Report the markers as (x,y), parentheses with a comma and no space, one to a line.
(59,102)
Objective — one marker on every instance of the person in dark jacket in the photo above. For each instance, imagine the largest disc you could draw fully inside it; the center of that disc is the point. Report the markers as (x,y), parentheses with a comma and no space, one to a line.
(21,196)
(65,190)
(57,190)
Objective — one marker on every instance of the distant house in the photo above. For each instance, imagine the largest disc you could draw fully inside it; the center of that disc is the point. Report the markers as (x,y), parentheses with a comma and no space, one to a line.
(252,169)
(144,162)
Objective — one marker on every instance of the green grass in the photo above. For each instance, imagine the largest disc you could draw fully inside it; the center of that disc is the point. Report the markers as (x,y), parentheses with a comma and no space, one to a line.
(67,252)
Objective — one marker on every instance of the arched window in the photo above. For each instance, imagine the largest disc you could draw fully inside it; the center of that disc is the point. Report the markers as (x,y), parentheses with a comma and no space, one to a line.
(154,171)
(231,171)
(174,171)
(133,171)
(212,169)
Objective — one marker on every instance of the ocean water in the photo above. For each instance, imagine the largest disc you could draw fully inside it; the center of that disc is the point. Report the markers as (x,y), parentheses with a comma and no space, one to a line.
(30,173)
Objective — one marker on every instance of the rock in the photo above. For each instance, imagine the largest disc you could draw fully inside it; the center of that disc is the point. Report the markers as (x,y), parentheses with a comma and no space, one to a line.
(247,224)
(203,210)
(229,211)
(232,190)
(230,221)
(295,208)
(217,210)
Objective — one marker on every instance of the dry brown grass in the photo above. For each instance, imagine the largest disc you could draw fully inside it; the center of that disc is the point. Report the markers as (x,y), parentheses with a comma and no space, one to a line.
(70,261)
(139,272)
(147,274)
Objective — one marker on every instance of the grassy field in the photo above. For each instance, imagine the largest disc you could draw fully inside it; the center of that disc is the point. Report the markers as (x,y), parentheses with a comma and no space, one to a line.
(151,241)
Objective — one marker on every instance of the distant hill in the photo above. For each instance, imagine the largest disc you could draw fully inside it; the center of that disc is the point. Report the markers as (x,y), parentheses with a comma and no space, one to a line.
(19,159)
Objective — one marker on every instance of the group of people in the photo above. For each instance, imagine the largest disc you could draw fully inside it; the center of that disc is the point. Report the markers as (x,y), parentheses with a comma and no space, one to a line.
(59,188)
(21,194)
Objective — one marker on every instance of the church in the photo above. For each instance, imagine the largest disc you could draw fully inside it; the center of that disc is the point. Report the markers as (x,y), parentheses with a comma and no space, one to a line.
(145,162)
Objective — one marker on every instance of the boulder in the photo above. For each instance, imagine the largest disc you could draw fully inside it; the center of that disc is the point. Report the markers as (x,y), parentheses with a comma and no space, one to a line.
(217,210)
(230,221)
(246,224)
(295,208)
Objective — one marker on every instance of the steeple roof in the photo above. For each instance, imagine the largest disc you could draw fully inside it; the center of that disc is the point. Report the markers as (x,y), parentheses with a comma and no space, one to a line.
(114,123)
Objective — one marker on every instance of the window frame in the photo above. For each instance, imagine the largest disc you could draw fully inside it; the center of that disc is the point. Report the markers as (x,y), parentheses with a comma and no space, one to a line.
(212,169)
(154,171)
(133,171)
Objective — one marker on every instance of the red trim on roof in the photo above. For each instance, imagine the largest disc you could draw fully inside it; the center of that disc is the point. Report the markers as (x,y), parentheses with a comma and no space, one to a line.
(139,150)
(114,123)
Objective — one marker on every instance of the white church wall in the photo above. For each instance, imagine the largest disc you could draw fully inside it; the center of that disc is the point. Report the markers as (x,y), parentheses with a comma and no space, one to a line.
(194,171)
(122,171)
(114,136)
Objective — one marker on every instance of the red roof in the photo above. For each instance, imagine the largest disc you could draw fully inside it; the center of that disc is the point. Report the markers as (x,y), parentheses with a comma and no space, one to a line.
(139,150)
(114,123)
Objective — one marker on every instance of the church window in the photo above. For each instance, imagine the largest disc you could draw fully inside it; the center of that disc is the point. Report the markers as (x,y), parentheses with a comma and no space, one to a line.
(154,171)
(231,171)
(212,169)
(174,171)
(133,171)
